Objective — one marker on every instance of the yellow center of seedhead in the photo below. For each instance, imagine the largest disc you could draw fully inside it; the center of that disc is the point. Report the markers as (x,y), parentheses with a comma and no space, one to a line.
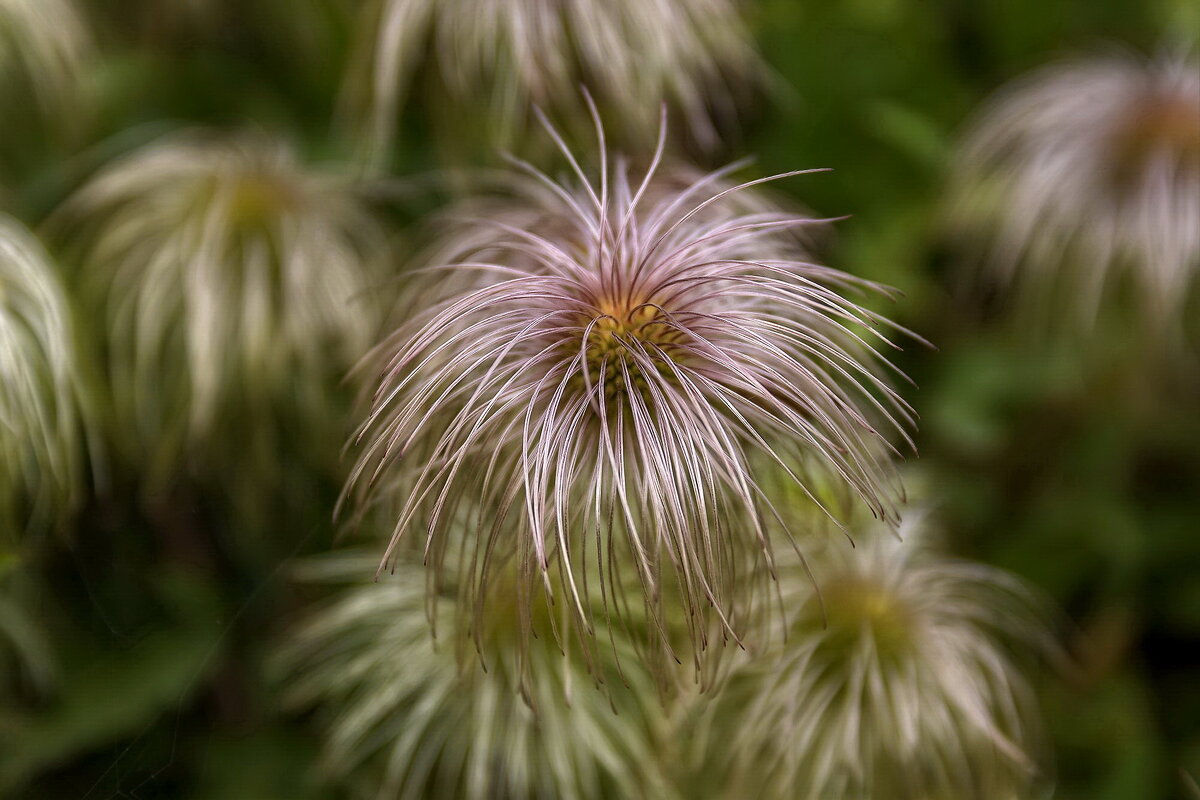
(623,338)
(856,607)
(496,634)
(257,200)
(1160,125)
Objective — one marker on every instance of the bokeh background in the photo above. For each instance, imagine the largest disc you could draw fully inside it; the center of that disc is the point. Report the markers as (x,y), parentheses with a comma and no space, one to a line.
(1073,463)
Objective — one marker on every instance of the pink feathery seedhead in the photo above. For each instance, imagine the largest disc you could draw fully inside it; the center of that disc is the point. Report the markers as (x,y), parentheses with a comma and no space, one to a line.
(1089,171)
(613,384)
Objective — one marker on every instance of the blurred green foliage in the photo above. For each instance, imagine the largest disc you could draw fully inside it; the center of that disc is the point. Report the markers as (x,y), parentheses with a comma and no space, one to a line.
(1075,465)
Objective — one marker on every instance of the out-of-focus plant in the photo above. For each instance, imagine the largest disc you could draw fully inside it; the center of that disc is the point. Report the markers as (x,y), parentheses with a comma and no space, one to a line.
(408,715)
(233,282)
(44,47)
(40,422)
(1087,173)
(46,58)
(41,439)
(896,680)
(25,654)
(614,369)
(491,60)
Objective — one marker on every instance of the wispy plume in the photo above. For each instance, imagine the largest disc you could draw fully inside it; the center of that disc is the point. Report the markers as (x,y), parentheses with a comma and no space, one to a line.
(1086,172)
(897,681)
(406,716)
(40,424)
(500,56)
(228,275)
(617,369)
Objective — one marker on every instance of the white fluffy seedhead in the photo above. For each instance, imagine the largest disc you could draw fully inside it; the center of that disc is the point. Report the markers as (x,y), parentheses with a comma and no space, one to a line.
(40,427)
(229,275)
(1088,172)
(408,716)
(898,681)
(612,375)
(501,56)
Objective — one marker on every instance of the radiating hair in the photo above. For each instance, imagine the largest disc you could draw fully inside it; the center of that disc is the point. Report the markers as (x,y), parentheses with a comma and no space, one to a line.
(408,716)
(229,276)
(613,373)
(503,55)
(1086,171)
(898,681)
(40,423)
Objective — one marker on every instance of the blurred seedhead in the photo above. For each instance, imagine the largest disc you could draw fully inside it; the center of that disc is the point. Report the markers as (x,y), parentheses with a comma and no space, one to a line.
(619,366)
(234,284)
(488,61)
(899,680)
(40,421)
(1085,177)
(41,442)
(408,715)
(44,46)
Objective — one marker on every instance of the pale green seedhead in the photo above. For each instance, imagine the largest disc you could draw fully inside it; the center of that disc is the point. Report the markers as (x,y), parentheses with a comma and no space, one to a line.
(475,713)
(44,46)
(40,432)
(232,281)
(898,680)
